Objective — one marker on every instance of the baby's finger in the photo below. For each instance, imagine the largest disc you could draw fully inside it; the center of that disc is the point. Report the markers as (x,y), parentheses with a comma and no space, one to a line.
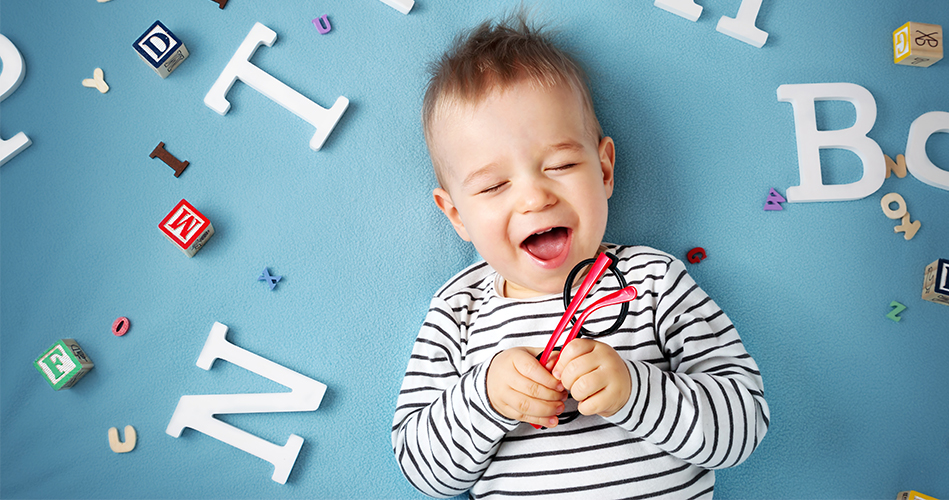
(548,422)
(533,390)
(595,404)
(530,368)
(572,351)
(551,360)
(590,381)
(535,411)
(569,373)
(604,403)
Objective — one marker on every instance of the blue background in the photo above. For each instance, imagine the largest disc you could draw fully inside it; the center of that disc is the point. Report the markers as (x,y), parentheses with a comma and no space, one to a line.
(859,403)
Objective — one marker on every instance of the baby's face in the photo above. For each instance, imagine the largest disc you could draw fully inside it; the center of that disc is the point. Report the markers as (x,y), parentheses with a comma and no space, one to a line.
(526,182)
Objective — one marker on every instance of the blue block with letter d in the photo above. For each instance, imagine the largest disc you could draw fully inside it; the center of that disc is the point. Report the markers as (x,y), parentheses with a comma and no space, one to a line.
(161,49)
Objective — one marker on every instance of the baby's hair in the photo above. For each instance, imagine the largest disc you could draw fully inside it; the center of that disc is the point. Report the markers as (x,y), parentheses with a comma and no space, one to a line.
(498,55)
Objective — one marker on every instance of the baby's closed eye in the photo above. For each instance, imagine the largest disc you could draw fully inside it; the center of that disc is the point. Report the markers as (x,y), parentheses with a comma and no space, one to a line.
(493,188)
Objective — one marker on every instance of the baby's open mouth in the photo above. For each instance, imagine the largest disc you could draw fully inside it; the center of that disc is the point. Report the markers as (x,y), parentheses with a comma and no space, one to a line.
(547,245)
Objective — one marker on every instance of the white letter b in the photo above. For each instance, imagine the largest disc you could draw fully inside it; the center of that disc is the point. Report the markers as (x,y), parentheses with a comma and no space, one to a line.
(810,141)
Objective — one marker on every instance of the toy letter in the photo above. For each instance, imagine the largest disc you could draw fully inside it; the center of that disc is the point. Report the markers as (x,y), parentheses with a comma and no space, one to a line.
(906,227)
(122,447)
(810,141)
(684,8)
(742,26)
(696,255)
(169,159)
(403,6)
(323,24)
(917,161)
(240,67)
(10,78)
(897,309)
(897,167)
(58,363)
(197,412)
(156,45)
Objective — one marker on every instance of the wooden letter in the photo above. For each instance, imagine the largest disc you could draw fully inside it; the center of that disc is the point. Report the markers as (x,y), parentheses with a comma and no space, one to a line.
(130,440)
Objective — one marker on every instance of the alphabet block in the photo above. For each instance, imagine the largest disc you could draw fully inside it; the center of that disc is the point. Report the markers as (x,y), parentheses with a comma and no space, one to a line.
(63,364)
(161,49)
(936,282)
(197,411)
(913,495)
(187,228)
(917,44)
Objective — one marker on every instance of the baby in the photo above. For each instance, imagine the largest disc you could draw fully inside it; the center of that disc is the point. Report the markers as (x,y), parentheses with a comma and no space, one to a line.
(524,174)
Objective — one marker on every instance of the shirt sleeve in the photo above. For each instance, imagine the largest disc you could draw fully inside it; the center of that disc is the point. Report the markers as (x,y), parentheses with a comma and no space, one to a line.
(709,408)
(444,432)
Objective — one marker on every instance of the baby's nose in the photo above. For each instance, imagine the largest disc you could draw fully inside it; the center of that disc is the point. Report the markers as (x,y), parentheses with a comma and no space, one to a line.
(535,196)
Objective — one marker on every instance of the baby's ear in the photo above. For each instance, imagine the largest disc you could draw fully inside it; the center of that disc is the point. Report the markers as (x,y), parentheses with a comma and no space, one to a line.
(607,151)
(443,200)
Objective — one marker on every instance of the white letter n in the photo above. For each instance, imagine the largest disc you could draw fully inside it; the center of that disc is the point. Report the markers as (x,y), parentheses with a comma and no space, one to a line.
(197,412)
(810,141)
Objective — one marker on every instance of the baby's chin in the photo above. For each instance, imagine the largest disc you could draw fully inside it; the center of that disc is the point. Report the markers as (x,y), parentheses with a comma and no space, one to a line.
(515,290)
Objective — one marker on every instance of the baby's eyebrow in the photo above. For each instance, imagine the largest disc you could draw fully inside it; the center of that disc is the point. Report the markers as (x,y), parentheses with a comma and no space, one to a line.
(477,175)
(569,145)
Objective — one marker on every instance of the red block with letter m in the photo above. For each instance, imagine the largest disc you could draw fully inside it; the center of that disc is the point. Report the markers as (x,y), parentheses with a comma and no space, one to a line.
(187,228)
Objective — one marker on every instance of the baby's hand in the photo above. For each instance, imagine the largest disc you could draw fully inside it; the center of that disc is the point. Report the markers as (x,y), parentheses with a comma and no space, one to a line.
(595,375)
(521,389)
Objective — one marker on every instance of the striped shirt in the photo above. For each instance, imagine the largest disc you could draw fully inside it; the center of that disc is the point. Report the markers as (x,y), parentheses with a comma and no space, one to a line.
(697,400)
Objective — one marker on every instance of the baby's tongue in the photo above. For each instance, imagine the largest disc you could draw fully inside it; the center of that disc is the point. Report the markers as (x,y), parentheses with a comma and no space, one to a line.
(548,245)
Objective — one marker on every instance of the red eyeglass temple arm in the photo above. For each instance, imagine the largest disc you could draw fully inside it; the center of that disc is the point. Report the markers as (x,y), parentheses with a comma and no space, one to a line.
(596,272)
